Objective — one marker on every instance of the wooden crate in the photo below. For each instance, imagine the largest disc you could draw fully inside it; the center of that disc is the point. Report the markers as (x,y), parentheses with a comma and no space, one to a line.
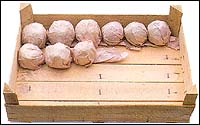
(153,85)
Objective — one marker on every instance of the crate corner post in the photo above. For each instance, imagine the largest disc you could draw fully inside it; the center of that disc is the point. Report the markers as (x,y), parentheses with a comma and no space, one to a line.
(174,20)
(10,96)
(191,96)
(26,14)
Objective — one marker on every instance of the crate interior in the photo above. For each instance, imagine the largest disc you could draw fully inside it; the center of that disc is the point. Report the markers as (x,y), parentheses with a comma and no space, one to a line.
(149,75)
(152,75)
(144,76)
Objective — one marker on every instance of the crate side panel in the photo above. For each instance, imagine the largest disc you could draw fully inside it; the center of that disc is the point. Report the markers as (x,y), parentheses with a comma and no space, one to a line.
(100,113)
(189,89)
(15,65)
(47,19)
(185,61)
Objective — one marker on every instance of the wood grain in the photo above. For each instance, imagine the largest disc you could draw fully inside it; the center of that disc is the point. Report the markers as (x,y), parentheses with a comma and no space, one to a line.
(150,55)
(100,113)
(153,85)
(174,19)
(100,91)
(15,65)
(102,19)
(109,72)
(26,14)
(185,61)
(190,90)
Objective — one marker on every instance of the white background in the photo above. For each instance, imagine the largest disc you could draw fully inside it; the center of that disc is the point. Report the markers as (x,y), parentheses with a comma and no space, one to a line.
(10,25)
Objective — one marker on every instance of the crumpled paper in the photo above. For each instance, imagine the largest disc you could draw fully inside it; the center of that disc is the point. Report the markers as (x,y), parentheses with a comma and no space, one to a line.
(136,33)
(61,31)
(34,33)
(88,30)
(58,56)
(113,33)
(30,56)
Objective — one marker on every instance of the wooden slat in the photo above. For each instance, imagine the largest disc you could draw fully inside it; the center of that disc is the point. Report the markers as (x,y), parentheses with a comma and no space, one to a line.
(15,66)
(150,55)
(190,90)
(185,61)
(102,19)
(117,119)
(173,19)
(99,91)
(109,72)
(99,113)
(101,118)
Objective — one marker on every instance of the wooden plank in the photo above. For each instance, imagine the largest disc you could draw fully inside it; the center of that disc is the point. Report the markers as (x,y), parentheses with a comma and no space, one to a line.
(99,91)
(109,72)
(103,108)
(99,113)
(190,90)
(150,55)
(185,61)
(99,119)
(102,19)
(14,69)
(173,19)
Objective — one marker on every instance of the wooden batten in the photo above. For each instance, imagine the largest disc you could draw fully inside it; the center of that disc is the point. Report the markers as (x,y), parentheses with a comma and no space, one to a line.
(26,14)
(101,113)
(15,65)
(174,19)
(102,19)
(9,89)
(10,96)
(190,89)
